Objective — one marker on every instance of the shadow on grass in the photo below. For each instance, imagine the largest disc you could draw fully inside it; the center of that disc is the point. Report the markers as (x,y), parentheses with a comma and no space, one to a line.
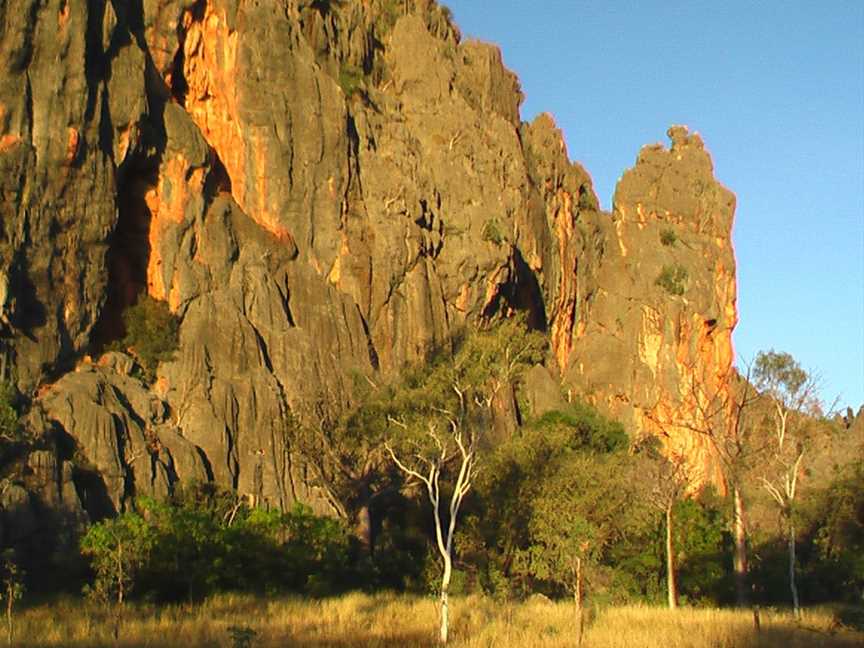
(850,616)
(802,637)
(406,640)
(767,638)
(397,640)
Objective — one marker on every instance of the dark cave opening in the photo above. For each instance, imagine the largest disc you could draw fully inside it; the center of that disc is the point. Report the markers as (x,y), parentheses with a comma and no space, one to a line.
(129,250)
(521,294)
(527,295)
(179,86)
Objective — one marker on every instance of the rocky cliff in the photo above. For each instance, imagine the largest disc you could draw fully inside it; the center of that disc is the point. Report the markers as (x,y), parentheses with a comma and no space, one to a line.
(319,191)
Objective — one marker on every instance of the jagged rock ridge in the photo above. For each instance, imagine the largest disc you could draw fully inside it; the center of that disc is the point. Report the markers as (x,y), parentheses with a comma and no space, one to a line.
(320,191)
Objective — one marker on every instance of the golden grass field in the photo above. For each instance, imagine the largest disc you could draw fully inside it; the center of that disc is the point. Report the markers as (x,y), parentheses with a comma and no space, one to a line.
(394,621)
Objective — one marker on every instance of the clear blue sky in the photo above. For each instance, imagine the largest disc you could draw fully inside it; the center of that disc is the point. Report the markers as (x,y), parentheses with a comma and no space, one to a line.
(777,91)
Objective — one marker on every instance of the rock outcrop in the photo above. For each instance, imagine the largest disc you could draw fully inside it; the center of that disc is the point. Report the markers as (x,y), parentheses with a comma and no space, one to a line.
(319,191)
(654,346)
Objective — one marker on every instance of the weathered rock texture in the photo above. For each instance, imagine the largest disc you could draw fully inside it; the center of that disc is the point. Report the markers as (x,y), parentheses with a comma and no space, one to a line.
(654,344)
(320,191)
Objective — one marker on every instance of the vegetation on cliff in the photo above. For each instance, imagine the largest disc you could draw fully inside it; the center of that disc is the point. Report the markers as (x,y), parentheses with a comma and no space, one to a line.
(151,333)
(388,339)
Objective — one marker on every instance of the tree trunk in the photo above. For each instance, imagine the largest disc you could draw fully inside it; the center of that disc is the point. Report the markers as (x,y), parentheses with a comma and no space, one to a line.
(577,596)
(363,528)
(445,585)
(671,581)
(121,578)
(742,593)
(121,575)
(795,604)
(9,599)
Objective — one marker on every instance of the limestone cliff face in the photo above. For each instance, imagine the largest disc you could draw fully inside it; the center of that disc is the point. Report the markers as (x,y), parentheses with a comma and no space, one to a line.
(319,191)
(654,346)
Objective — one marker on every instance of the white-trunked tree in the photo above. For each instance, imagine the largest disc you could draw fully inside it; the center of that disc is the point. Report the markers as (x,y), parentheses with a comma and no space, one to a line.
(427,468)
(791,393)
(448,409)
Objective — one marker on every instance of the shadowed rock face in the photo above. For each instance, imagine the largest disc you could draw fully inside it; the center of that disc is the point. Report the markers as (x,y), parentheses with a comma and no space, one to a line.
(319,192)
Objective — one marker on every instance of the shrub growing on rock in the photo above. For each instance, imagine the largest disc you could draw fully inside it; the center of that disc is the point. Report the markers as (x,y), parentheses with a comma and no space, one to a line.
(668,237)
(10,429)
(151,333)
(672,279)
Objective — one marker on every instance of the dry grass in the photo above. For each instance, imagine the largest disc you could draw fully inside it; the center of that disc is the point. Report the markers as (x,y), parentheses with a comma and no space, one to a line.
(392,621)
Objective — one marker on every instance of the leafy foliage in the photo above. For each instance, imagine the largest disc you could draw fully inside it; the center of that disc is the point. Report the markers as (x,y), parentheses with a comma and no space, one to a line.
(10,428)
(780,376)
(197,545)
(668,237)
(581,427)
(585,507)
(832,554)
(151,333)
(672,279)
(492,232)
(457,396)
(118,549)
(503,535)
(565,485)
(12,589)
(350,79)
(478,369)
(702,555)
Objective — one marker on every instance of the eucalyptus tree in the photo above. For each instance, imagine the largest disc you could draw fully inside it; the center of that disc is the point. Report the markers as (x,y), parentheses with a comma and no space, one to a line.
(668,480)
(721,414)
(441,417)
(12,589)
(582,511)
(793,404)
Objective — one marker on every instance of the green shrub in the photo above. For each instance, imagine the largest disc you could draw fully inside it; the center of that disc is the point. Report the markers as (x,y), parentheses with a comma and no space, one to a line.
(672,279)
(151,333)
(390,12)
(668,237)
(205,542)
(12,588)
(117,549)
(350,79)
(10,429)
(581,427)
(492,232)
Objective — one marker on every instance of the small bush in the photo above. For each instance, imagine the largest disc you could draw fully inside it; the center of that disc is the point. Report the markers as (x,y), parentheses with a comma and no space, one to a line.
(668,237)
(390,13)
(672,279)
(350,79)
(151,333)
(12,588)
(10,429)
(492,232)
(117,549)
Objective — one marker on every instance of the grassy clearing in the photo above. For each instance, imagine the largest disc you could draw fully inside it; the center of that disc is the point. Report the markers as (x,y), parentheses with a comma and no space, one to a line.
(391,621)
